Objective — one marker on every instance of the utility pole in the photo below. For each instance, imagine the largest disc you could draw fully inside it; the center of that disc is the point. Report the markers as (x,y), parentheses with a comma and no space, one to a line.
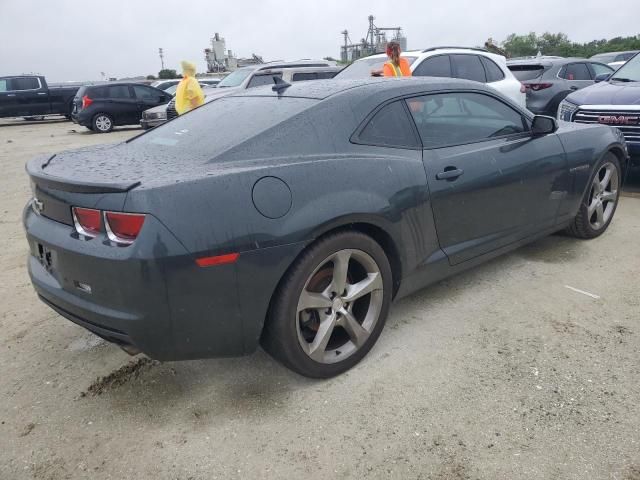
(161,53)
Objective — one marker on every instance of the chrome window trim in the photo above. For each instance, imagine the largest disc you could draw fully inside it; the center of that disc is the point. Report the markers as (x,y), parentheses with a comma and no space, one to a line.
(28,89)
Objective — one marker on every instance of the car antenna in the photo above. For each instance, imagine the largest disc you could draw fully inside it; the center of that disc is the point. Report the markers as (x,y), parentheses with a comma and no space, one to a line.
(279,85)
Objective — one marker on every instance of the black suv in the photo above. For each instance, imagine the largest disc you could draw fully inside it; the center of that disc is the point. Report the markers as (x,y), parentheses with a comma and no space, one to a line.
(101,107)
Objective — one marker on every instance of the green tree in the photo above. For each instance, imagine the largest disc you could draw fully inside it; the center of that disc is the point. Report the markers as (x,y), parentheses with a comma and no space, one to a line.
(167,73)
(521,45)
(151,77)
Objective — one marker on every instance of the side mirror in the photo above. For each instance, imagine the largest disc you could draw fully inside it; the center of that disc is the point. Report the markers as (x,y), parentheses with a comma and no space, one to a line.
(543,125)
(603,77)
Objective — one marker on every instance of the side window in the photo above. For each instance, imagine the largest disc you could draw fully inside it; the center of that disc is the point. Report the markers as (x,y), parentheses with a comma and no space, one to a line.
(468,67)
(145,93)
(390,126)
(439,66)
(494,73)
(460,118)
(4,84)
(299,77)
(118,91)
(260,80)
(25,83)
(577,71)
(599,69)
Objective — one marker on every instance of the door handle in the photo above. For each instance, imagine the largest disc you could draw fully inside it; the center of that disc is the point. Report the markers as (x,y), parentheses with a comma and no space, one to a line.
(42,93)
(450,173)
(11,94)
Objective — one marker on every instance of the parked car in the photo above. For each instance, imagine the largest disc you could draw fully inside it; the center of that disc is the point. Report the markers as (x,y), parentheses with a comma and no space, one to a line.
(250,77)
(453,62)
(155,116)
(101,107)
(614,59)
(211,82)
(164,84)
(548,80)
(293,215)
(30,96)
(614,101)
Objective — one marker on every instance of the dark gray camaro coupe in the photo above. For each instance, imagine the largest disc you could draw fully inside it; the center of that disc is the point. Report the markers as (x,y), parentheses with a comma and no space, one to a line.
(292,217)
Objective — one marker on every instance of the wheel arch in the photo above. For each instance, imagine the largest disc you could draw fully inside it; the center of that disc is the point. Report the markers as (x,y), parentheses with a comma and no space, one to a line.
(618,151)
(367,227)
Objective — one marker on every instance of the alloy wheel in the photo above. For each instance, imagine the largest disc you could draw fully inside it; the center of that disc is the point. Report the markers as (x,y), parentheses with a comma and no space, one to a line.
(339,306)
(103,123)
(603,196)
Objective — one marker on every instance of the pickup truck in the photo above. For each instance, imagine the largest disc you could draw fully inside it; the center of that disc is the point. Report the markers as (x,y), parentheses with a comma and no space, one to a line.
(30,96)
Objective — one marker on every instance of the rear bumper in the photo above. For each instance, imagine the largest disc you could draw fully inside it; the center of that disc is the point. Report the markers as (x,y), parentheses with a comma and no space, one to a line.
(150,295)
(147,124)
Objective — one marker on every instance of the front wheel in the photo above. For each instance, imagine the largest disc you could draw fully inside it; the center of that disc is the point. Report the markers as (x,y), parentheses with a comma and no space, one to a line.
(600,200)
(102,123)
(331,307)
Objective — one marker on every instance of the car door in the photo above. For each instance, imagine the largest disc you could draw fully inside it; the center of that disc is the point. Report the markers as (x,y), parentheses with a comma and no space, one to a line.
(577,75)
(148,97)
(491,182)
(27,96)
(122,105)
(8,99)
(469,67)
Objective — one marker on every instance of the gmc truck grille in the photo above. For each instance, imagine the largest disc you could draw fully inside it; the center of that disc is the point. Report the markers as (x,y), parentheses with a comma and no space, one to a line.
(628,122)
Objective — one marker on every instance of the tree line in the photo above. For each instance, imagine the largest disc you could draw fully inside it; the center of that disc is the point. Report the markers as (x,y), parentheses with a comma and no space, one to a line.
(559,44)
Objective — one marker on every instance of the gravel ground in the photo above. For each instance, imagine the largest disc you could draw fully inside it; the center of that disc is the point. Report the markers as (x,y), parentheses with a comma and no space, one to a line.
(499,373)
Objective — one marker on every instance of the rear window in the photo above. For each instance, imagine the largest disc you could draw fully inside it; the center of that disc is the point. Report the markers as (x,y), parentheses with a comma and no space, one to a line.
(526,72)
(362,68)
(221,124)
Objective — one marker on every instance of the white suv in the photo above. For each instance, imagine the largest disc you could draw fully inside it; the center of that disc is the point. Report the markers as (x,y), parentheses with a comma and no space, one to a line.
(453,62)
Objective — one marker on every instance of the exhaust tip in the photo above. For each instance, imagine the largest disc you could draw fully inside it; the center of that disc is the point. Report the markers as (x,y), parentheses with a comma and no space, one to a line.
(130,349)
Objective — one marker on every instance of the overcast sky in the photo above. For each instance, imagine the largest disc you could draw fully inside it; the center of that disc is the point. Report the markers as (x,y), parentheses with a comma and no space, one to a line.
(78,39)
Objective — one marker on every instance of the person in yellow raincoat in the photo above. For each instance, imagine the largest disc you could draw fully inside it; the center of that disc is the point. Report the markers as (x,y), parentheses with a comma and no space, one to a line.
(188,94)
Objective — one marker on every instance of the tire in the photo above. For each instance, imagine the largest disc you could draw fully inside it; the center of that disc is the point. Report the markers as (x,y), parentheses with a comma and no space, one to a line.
(600,200)
(291,333)
(102,123)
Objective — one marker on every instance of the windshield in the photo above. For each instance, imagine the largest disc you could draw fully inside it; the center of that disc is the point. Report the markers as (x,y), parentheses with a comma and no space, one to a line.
(629,72)
(234,79)
(362,68)
(235,119)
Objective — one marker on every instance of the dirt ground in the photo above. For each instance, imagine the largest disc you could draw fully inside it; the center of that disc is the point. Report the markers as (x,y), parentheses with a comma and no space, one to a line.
(499,373)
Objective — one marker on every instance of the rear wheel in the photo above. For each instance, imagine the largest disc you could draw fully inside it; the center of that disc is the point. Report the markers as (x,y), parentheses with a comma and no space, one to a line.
(331,306)
(600,201)
(102,123)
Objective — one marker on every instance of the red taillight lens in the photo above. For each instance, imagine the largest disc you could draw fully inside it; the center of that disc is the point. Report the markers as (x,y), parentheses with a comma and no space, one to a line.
(123,227)
(87,221)
(538,86)
(523,88)
(86,101)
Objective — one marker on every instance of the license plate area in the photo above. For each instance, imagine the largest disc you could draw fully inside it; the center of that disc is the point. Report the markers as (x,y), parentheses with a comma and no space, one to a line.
(46,257)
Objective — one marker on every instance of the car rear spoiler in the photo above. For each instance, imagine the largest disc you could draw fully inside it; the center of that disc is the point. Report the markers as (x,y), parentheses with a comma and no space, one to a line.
(35,169)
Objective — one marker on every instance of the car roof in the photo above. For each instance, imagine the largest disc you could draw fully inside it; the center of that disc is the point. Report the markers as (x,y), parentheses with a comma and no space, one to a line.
(322,89)
(546,61)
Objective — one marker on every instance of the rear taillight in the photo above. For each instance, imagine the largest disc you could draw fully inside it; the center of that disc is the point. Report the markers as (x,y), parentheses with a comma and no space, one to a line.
(87,221)
(123,228)
(538,86)
(86,101)
(523,88)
